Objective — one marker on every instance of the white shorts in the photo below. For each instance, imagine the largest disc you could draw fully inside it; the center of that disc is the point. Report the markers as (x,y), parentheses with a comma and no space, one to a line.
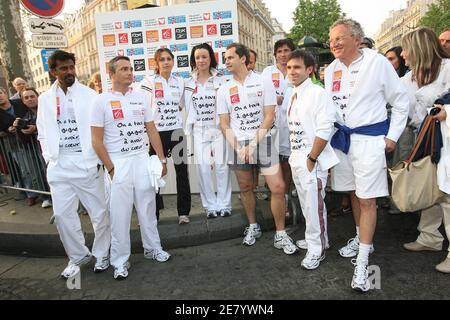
(363,169)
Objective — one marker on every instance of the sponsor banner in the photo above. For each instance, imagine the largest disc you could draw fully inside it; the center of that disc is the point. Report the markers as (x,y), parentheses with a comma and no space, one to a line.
(139,33)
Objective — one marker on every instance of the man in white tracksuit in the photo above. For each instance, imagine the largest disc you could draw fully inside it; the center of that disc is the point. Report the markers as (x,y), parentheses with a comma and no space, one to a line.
(118,120)
(361,82)
(73,173)
(310,116)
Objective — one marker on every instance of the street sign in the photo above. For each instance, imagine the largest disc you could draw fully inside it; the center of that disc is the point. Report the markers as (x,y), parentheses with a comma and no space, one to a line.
(45,55)
(49,40)
(38,25)
(44,8)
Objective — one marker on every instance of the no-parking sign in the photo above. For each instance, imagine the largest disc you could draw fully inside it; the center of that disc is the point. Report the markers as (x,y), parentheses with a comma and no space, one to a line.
(44,8)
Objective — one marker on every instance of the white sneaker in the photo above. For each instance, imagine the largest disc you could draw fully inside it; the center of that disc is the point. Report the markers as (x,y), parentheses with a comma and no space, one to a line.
(360,279)
(311,261)
(302,244)
(225,213)
(352,248)
(46,204)
(251,234)
(286,243)
(70,271)
(211,214)
(183,219)
(122,273)
(101,265)
(74,267)
(158,255)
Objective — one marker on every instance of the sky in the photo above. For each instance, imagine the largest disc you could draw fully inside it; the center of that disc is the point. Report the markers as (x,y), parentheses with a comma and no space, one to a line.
(370,13)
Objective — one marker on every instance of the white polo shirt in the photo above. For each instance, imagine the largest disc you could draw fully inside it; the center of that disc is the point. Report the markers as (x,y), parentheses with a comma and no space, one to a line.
(123,118)
(166,100)
(69,141)
(279,81)
(201,100)
(344,80)
(245,104)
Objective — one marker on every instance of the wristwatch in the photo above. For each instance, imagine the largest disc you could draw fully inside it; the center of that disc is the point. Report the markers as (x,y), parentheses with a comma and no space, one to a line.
(163,161)
(311,158)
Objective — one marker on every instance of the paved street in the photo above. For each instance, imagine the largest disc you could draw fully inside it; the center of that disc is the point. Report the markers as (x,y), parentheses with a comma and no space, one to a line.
(228,270)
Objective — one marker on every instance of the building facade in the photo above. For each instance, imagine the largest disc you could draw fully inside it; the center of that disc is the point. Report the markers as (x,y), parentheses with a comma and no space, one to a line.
(40,76)
(399,23)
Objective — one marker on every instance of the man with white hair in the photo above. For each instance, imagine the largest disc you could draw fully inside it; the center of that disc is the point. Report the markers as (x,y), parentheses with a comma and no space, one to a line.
(19,85)
(361,82)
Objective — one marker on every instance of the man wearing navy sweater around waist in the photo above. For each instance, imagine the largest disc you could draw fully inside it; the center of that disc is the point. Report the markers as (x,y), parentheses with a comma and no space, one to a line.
(361,82)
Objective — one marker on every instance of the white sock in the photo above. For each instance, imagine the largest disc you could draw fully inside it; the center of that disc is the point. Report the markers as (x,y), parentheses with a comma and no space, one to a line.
(363,254)
(281,233)
(253,225)
(357,231)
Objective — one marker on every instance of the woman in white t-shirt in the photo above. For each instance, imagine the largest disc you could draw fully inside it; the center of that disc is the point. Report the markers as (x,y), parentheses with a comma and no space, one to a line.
(209,143)
(428,80)
(166,100)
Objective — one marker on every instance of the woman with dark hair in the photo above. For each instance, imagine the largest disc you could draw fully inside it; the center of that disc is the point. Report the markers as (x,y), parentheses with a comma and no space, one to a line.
(209,143)
(428,80)
(397,61)
(166,100)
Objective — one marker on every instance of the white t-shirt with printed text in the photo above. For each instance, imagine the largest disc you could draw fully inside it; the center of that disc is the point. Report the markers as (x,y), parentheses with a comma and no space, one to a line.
(69,141)
(245,104)
(123,118)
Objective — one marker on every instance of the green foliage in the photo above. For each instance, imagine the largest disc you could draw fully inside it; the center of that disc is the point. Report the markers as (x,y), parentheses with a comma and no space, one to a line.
(314,18)
(437,16)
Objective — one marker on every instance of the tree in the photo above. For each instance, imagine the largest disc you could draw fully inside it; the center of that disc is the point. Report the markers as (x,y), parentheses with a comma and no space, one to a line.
(13,50)
(314,18)
(437,16)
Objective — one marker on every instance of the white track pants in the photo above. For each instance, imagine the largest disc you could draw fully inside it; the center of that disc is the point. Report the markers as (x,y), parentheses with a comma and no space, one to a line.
(70,183)
(131,185)
(210,153)
(311,192)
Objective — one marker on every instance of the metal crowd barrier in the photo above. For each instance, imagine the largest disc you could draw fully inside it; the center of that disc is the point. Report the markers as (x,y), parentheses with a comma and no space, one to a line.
(22,165)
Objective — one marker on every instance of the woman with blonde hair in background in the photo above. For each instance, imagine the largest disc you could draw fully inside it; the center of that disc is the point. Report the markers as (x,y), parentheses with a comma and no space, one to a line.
(95,83)
(429,80)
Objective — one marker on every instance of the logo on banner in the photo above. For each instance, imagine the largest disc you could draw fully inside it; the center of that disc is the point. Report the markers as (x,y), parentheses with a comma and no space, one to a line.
(123,37)
(219,15)
(166,34)
(152,64)
(176,19)
(121,52)
(259,93)
(137,37)
(161,21)
(159,90)
(178,47)
(180,33)
(226,29)
(211,29)
(118,25)
(197,32)
(207,16)
(135,52)
(116,110)
(132,24)
(109,40)
(139,65)
(234,95)
(183,61)
(152,36)
(222,43)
